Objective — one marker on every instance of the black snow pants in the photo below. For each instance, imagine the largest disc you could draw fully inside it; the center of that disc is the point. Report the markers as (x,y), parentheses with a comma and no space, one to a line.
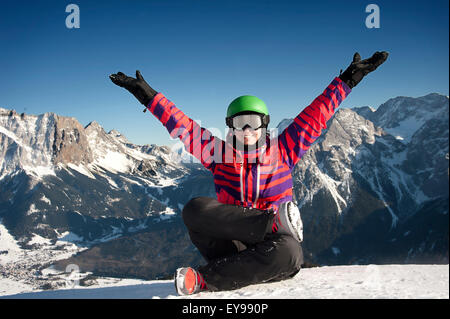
(238,245)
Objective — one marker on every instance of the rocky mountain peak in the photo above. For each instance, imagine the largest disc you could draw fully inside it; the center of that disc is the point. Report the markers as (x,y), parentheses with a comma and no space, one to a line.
(409,111)
(70,143)
(118,136)
(365,111)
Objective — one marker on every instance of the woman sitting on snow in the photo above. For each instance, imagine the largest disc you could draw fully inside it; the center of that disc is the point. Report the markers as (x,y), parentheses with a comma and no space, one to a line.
(252,232)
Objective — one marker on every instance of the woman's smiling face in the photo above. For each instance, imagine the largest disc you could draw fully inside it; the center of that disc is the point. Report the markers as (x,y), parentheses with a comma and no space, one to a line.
(248,136)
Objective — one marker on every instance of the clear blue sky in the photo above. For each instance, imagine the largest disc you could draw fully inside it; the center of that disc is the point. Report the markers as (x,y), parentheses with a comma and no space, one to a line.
(203,53)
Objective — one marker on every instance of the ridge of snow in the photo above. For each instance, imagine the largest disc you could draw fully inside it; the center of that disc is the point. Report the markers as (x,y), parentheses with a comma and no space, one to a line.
(38,240)
(328,282)
(377,188)
(114,162)
(331,186)
(81,169)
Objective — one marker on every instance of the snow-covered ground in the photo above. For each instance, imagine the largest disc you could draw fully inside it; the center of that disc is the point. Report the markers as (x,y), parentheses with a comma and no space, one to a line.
(347,282)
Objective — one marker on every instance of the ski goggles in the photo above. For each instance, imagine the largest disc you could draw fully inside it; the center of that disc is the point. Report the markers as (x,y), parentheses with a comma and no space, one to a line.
(254,121)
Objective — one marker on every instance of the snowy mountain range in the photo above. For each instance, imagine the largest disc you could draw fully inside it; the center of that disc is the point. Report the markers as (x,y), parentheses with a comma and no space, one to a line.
(372,182)
(372,189)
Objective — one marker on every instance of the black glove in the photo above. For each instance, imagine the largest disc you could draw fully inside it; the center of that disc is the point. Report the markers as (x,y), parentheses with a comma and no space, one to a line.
(359,69)
(138,87)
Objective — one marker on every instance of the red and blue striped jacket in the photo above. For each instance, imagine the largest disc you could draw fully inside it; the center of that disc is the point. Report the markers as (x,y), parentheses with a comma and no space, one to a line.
(260,178)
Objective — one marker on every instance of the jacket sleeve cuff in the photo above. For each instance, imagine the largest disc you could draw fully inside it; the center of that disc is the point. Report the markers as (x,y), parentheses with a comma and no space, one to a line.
(344,85)
(151,105)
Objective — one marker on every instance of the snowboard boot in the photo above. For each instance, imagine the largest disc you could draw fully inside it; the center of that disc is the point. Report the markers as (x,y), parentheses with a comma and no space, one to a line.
(188,281)
(288,221)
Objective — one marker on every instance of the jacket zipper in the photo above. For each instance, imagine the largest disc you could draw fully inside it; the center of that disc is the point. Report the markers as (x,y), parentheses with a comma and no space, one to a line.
(257,185)
(242,182)
(241,175)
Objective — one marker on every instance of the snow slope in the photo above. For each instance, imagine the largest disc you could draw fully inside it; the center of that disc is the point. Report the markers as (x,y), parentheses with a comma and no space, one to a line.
(335,282)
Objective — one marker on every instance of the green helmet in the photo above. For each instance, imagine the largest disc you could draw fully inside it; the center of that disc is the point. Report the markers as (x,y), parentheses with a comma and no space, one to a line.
(247,103)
